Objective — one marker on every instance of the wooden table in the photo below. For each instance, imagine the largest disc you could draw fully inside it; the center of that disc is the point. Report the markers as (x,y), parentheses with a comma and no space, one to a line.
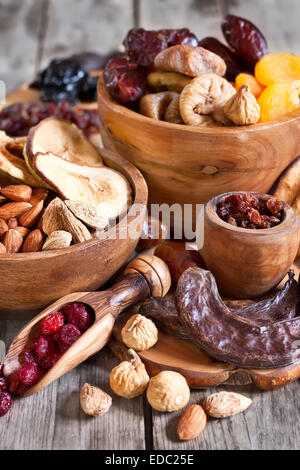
(53,419)
(31,33)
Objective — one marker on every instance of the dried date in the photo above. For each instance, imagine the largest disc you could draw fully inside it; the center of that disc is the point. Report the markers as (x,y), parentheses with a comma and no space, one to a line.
(124,80)
(245,39)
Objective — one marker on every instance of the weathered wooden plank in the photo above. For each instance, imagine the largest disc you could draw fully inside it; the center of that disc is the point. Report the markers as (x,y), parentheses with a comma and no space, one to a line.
(53,419)
(278,20)
(98,25)
(272,422)
(19,26)
(203,17)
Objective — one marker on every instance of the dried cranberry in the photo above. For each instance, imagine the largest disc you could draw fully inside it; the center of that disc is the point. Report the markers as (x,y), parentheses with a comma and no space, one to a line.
(52,323)
(13,382)
(179,36)
(3,384)
(245,39)
(274,205)
(5,403)
(44,346)
(48,362)
(29,374)
(77,315)
(143,46)
(67,335)
(29,356)
(234,65)
(124,80)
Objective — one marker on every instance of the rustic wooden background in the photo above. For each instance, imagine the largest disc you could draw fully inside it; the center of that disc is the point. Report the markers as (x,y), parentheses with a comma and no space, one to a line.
(31,33)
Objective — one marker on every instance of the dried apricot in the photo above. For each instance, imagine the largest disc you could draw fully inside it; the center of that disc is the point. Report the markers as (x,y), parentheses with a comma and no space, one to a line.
(247,79)
(278,68)
(278,99)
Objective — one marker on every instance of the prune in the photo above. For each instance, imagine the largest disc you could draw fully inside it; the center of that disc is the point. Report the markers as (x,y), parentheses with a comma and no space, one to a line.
(179,36)
(17,119)
(65,79)
(233,63)
(89,61)
(245,39)
(124,80)
(249,211)
(142,46)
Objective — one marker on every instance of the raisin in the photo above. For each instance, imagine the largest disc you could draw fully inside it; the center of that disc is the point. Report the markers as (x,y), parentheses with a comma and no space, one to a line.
(274,205)
(5,403)
(124,80)
(231,220)
(78,315)
(245,39)
(142,46)
(265,222)
(234,65)
(253,216)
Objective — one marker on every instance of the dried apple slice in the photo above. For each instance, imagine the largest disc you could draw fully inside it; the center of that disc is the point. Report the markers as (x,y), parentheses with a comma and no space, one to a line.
(63,139)
(101,188)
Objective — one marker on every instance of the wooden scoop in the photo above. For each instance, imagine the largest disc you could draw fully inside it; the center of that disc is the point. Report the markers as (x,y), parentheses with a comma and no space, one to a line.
(146,275)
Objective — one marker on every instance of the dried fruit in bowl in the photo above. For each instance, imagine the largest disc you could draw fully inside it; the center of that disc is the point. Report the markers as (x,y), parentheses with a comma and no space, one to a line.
(124,80)
(245,39)
(278,68)
(190,61)
(278,100)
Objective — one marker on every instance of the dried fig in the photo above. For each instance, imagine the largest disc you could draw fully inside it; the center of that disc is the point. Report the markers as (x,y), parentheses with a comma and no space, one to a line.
(190,61)
(167,80)
(172,113)
(139,333)
(202,101)
(154,105)
(242,108)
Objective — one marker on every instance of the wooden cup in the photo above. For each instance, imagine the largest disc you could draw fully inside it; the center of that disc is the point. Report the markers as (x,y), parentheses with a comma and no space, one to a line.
(247,263)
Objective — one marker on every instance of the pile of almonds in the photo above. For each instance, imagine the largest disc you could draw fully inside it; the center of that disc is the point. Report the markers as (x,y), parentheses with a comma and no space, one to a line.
(30,223)
(21,210)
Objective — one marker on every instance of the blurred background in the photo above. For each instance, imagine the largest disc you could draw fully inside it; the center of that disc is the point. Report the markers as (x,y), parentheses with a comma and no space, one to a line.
(34,31)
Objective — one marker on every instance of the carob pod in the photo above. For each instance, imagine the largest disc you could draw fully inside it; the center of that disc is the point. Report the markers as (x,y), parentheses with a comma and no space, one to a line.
(162,310)
(227,335)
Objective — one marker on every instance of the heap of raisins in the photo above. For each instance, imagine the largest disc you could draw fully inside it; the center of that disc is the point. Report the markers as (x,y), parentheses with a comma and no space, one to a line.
(17,119)
(249,211)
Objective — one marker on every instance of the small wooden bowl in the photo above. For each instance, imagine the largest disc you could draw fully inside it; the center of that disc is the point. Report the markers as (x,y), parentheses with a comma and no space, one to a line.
(190,165)
(247,263)
(31,281)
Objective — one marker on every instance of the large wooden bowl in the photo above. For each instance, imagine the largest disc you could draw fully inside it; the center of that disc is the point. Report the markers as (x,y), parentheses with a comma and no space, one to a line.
(31,281)
(184,164)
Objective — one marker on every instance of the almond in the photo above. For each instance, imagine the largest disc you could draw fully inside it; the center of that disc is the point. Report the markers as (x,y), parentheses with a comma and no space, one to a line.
(38,194)
(30,217)
(33,242)
(12,222)
(2,249)
(225,404)
(17,192)
(192,423)
(3,227)
(57,240)
(23,231)
(13,209)
(12,241)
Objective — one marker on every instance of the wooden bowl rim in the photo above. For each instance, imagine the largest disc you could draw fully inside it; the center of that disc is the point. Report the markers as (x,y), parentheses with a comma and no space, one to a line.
(140,189)
(118,108)
(290,217)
